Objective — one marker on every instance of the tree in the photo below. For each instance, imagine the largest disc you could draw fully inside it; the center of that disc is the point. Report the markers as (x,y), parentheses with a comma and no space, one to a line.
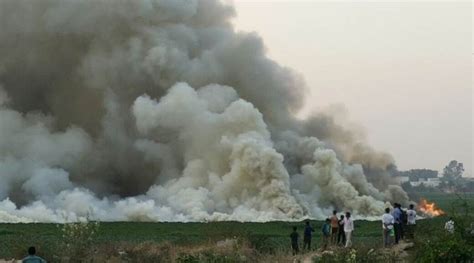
(407,187)
(453,170)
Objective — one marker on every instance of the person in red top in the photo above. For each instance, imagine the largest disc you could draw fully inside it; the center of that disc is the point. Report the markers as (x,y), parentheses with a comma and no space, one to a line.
(334,227)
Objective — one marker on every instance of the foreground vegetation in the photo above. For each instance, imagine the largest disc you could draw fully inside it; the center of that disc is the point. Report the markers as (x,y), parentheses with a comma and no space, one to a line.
(230,241)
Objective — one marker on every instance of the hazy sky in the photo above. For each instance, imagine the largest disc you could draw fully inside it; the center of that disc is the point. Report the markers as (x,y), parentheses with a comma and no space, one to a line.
(403,70)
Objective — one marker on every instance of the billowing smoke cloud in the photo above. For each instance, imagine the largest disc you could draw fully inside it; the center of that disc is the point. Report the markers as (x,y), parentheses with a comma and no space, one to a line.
(160,110)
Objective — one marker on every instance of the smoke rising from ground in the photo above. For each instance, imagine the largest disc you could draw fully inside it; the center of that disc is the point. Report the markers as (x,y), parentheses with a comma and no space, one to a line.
(159,110)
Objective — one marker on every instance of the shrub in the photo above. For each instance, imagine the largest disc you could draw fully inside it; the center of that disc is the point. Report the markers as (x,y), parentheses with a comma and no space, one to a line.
(445,247)
(147,252)
(78,239)
(262,243)
(358,254)
(437,245)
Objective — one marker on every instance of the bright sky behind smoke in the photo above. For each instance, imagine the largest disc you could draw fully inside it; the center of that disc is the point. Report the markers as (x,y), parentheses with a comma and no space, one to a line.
(403,70)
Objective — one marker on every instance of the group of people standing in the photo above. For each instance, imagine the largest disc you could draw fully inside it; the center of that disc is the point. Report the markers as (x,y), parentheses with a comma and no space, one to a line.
(341,230)
(335,231)
(398,224)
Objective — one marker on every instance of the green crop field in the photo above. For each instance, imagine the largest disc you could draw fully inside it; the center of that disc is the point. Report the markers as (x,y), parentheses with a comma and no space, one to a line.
(269,236)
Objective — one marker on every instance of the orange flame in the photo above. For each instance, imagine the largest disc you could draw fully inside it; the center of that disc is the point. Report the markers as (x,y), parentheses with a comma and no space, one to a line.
(429,209)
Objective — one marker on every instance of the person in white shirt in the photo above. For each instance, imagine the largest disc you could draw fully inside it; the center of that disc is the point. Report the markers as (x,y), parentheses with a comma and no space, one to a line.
(348,228)
(449,226)
(411,221)
(411,215)
(387,226)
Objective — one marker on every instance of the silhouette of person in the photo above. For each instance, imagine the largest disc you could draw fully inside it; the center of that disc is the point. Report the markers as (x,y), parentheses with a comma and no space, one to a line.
(308,232)
(32,258)
(294,241)
(326,231)
(341,236)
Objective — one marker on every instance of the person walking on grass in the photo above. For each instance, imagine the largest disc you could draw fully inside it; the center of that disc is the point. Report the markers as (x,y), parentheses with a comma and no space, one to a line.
(348,229)
(308,234)
(334,227)
(294,241)
(341,237)
(411,221)
(326,231)
(32,258)
(387,227)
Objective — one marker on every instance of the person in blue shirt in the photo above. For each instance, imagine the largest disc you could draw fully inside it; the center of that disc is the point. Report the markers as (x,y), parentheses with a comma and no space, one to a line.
(32,258)
(326,229)
(308,230)
(397,226)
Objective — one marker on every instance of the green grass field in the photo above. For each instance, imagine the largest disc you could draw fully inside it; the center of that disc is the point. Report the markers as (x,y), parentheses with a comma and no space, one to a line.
(270,236)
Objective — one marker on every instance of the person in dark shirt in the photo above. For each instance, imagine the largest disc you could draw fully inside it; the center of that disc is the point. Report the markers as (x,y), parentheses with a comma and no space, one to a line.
(294,241)
(341,237)
(308,232)
(326,231)
(32,258)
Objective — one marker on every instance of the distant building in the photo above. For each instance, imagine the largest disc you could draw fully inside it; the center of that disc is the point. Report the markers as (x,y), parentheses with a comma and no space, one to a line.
(433,182)
(428,182)
(469,179)
(415,175)
(403,179)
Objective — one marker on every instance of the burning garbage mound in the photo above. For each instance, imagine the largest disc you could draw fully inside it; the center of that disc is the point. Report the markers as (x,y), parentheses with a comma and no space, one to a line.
(429,209)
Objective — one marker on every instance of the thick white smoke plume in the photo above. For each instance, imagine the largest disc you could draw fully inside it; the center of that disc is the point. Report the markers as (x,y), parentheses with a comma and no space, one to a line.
(158,110)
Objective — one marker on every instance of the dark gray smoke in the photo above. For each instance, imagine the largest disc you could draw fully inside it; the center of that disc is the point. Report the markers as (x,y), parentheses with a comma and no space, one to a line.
(159,110)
